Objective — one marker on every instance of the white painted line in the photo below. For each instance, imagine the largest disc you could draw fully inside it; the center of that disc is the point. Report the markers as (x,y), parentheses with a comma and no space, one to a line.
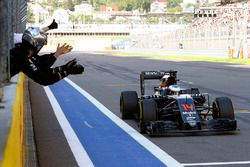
(77,149)
(87,124)
(155,150)
(217,163)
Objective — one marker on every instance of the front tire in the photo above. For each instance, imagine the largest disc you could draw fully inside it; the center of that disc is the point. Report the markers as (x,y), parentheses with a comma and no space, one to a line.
(223,108)
(148,113)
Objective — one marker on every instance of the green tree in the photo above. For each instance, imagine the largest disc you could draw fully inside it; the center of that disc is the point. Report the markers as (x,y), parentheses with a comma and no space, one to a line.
(190,4)
(173,3)
(77,2)
(143,5)
(152,20)
(70,5)
(67,4)
(175,9)
(53,3)
(174,6)
(30,16)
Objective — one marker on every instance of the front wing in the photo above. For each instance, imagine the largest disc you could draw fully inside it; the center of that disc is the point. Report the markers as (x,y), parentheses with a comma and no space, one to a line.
(166,128)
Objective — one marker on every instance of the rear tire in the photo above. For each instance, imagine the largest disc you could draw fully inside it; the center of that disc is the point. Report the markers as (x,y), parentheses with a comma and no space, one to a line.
(128,104)
(149,113)
(223,108)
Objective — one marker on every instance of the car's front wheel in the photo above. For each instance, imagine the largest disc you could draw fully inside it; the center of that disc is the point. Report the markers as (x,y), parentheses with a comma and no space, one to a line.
(223,108)
(148,112)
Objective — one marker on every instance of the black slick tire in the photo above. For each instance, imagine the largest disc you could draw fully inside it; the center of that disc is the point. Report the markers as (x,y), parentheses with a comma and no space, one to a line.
(128,104)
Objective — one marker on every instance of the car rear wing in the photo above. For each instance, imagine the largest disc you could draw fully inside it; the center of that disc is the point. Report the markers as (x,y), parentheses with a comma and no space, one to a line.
(152,75)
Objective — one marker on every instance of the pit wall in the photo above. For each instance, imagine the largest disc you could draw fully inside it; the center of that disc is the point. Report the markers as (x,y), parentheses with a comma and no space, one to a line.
(14,147)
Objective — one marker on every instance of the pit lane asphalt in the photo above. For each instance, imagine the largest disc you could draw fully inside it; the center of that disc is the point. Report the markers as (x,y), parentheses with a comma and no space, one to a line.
(106,76)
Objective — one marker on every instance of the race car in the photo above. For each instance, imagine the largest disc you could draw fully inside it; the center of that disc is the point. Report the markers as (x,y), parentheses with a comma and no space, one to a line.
(176,110)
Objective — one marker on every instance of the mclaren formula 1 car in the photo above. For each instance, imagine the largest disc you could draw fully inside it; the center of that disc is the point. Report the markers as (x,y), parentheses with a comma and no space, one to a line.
(175,110)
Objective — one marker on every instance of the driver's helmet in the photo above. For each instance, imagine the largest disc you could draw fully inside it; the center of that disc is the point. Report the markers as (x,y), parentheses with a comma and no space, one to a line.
(174,89)
(164,79)
(34,37)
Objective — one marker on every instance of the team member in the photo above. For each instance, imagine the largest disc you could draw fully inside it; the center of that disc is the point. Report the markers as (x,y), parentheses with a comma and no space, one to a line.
(24,57)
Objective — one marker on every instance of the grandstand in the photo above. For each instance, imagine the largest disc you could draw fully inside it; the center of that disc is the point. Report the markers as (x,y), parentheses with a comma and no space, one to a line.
(224,2)
(227,27)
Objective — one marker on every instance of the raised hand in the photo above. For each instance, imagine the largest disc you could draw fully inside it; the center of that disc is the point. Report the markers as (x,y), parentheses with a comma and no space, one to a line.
(65,48)
(53,25)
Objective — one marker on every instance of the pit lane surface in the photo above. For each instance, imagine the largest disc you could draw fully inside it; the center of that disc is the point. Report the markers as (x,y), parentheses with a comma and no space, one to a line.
(106,76)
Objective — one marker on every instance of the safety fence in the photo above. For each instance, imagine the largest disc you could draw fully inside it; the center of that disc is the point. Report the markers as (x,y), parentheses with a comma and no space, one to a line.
(190,39)
(229,30)
(13,20)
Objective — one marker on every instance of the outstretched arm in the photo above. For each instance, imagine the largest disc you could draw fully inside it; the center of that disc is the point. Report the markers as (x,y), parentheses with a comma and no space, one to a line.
(47,76)
(49,59)
(52,26)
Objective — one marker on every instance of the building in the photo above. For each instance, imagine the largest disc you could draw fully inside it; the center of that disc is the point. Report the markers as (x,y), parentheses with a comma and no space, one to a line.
(158,6)
(40,13)
(85,9)
(61,16)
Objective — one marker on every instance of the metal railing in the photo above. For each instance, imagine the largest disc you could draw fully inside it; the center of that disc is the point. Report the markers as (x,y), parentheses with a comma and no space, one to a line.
(13,15)
(229,29)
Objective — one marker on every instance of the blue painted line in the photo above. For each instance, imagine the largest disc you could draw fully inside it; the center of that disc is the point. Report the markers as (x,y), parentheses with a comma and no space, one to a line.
(106,144)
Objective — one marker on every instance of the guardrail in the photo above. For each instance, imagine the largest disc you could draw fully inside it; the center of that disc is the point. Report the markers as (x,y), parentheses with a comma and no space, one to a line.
(86,33)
